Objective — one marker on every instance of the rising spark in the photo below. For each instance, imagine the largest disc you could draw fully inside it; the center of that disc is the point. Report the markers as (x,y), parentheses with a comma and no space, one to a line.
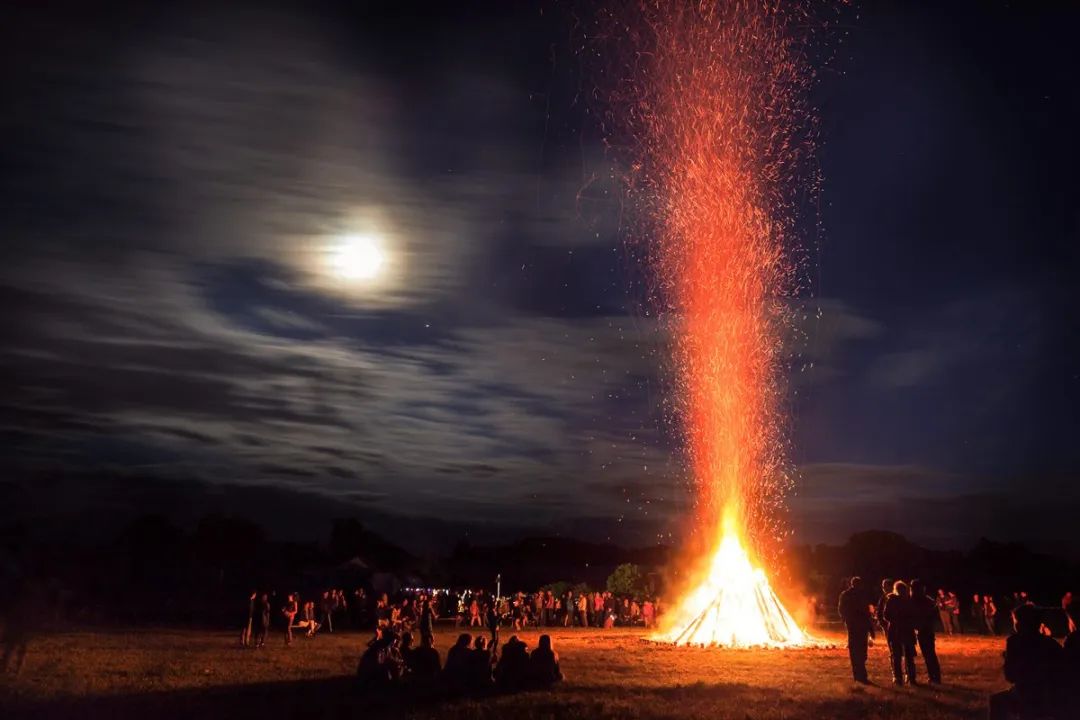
(716,108)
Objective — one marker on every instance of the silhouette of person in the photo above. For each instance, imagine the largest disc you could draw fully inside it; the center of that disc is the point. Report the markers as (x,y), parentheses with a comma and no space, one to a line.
(245,633)
(544,668)
(479,665)
(456,670)
(854,609)
(901,632)
(424,662)
(381,662)
(512,669)
(427,622)
(924,615)
(492,621)
(886,590)
(262,620)
(289,611)
(941,602)
(1032,664)
(989,612)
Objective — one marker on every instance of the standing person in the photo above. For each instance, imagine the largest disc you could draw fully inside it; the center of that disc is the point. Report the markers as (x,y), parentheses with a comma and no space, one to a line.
(977,619)
(262,620)
(549,608)
(326,608)
(954,608)
(989,613)
(583,609)
(901,633)
(427,622)
(648,613)
(493,627)
(854,609)
(879,610)
(812,611)
(474,613)
(597,609)
(944,613)
(359,608)
(245,634)
(383,612)
(924,614)
(289,611)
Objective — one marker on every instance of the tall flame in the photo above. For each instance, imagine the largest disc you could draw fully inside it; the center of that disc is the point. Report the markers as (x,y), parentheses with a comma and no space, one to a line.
(717,110)
(734,606)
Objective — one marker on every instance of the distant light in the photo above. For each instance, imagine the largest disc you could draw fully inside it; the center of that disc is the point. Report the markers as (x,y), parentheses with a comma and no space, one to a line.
(357,257)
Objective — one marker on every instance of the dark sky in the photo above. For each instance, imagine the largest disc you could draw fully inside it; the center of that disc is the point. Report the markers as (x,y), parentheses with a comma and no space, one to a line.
(176,180)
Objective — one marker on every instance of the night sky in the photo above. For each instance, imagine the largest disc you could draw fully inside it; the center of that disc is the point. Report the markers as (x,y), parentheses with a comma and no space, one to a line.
(175,336)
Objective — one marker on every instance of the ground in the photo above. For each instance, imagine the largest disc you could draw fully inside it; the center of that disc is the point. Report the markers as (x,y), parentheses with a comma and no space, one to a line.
(162,674)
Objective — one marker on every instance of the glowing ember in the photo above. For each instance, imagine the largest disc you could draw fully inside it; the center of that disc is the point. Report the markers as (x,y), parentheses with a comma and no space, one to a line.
(716,106)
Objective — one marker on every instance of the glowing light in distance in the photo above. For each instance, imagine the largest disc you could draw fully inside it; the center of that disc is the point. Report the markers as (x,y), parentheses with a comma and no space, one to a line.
(357,257)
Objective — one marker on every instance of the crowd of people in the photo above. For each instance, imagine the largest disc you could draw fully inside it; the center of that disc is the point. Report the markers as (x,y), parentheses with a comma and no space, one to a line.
(546,608)
(306,616)
(474,666)
(412,609)
(1044,673)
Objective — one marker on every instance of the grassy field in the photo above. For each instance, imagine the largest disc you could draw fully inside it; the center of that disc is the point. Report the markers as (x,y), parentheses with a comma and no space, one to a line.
(610,674)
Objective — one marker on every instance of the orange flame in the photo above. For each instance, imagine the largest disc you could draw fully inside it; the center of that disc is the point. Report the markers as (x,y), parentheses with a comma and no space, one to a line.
(717,103)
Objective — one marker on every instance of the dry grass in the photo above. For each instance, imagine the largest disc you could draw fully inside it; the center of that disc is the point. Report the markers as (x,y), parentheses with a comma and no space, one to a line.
(613,674)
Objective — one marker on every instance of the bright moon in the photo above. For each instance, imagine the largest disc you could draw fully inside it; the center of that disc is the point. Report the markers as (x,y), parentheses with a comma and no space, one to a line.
(358,257)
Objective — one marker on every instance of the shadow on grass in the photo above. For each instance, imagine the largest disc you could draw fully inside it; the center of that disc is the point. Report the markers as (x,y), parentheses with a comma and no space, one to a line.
(334,698)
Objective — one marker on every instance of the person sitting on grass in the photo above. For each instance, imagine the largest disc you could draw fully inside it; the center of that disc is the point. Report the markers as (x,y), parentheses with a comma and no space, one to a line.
(1033,662)
(307,621)
(456,671)
(424,662)
(544,664)
(479,667)
(512,670)
(385,665)
(370,670)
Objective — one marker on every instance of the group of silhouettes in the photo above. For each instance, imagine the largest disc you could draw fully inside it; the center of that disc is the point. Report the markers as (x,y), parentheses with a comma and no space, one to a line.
(907,616)
(1044,673)
(473,666)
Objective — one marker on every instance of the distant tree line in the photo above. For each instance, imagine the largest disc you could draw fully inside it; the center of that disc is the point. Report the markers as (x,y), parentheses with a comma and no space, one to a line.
(153,571)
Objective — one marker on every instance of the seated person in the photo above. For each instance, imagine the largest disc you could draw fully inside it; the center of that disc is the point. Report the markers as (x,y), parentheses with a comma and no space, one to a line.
(512,670)
(424,662)
(456,670)
(480,664)
(544,664)
(1033,662)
